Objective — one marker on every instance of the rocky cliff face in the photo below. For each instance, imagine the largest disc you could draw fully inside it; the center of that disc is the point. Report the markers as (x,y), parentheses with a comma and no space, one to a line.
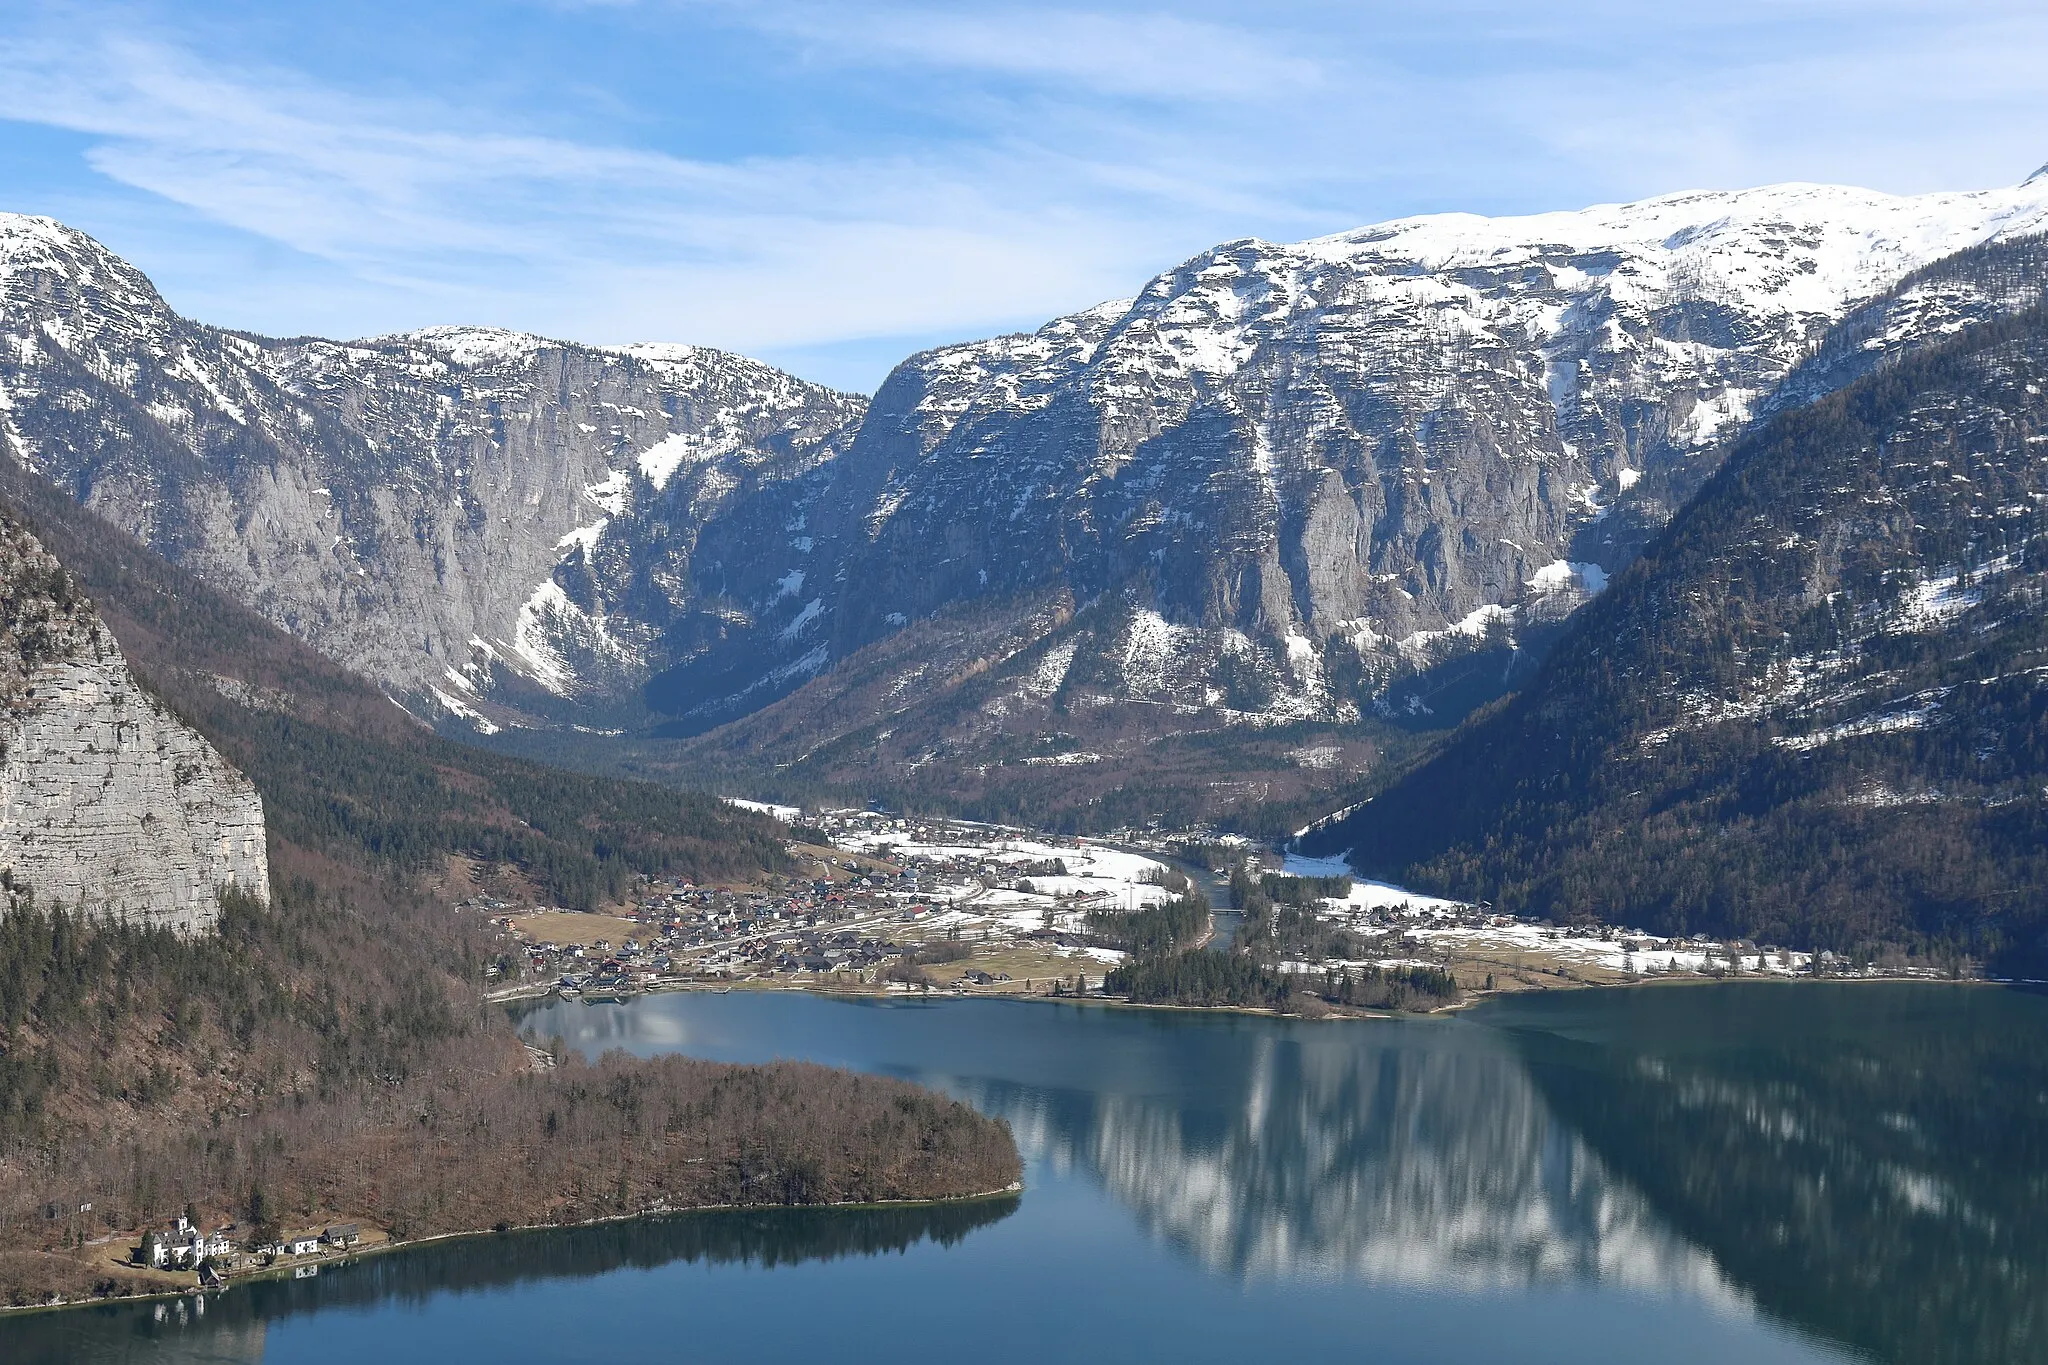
(465,515)
(107,802)
(1364,445)
(1283,484)
(1813,712)
(1307,483)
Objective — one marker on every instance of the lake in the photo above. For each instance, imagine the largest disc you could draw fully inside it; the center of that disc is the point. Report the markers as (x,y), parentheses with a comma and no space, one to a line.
(1756,1173)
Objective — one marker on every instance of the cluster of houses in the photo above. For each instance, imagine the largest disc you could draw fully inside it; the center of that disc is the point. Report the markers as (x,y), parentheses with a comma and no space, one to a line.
(185,1247)
(701,931)
(843,916)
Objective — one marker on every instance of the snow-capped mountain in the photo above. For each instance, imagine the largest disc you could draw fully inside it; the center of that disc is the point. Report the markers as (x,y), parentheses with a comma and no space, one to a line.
(1284,478)
(1814,712)
(1363,439)
(1279,484)
(460,513)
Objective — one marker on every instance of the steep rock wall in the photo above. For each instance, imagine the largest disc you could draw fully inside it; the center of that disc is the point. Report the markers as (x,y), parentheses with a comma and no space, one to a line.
(107,801)
(482,521)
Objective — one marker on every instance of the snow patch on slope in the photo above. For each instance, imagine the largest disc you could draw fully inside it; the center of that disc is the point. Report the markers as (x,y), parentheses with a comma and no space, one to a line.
(476,719)
(659,462)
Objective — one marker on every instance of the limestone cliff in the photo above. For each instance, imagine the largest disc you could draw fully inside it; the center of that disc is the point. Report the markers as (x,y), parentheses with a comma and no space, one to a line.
(486,523)
(107,801)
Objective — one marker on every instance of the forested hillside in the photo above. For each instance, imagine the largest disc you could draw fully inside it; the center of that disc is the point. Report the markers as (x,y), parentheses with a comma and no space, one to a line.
(1815,712)
(329,1053)
(343,771)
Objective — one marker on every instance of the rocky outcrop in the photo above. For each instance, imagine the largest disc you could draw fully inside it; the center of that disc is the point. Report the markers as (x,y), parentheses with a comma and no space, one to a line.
(108,803)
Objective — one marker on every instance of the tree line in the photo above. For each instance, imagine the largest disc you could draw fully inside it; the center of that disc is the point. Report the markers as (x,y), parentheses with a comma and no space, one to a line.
(1239,980)
(1163,927)
(1280,925)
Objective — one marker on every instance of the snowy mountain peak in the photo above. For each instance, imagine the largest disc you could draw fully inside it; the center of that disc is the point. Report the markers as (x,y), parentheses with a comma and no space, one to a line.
(472,346)
(1319,466)
(1806,247)
(45,247)
(672,352)
(28,235)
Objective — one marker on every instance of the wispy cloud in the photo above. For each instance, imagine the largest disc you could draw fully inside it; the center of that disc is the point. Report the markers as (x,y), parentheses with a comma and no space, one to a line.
(753,253)
(1150,55)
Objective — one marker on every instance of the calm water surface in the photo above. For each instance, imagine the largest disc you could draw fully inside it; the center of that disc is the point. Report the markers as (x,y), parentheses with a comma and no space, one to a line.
(1737,1173)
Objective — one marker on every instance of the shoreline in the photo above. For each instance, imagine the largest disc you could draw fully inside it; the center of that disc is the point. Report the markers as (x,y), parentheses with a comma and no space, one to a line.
(278,1271)
(1335,1012)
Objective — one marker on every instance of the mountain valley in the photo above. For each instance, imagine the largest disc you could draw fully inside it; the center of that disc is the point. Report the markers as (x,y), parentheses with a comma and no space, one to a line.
(787,682)
(1227,544)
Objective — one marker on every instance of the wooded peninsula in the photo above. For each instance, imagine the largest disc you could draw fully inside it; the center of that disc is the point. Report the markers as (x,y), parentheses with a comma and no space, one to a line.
(329,1057)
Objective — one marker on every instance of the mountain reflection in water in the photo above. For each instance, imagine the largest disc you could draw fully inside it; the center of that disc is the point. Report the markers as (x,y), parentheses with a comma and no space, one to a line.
(1425,1167)
(1411,1153)
(1868,1161)
(1748,1172)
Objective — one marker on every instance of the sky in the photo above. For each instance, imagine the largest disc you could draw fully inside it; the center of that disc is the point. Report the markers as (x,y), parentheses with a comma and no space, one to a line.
(831,186)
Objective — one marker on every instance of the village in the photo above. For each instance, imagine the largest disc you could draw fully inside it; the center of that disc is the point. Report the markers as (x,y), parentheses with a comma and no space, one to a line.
(889,904)
(885,903)
(229,1249)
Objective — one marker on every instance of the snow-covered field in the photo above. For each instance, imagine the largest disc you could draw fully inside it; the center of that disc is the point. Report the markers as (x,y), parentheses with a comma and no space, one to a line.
(1365,895)
(1459,927)
(997,876)
(977,880)
(789,815)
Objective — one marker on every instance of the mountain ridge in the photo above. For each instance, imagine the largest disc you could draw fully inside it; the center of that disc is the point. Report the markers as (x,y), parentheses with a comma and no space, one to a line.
(1340,510)
(1812,711)
(1295,485)
(330,484)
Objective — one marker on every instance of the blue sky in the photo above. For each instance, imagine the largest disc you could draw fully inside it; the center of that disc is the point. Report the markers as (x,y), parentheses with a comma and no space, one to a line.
(832,185)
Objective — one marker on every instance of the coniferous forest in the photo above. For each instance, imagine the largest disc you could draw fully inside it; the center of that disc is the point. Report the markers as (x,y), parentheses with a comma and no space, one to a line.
(1810,713)
(329,1053)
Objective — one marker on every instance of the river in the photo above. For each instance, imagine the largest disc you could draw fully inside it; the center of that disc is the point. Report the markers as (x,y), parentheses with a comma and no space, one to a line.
(1743,1172)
